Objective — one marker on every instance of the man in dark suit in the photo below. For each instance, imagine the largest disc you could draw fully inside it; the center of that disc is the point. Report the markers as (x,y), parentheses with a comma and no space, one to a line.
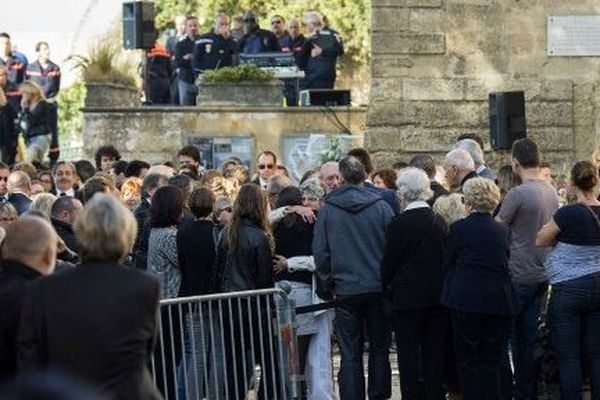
(24,260)
(63,215)
(388,195)
(19,189)
(64,179)
(97,321)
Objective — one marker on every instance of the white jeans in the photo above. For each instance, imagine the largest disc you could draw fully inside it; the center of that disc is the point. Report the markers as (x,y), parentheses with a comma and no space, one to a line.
(318,363)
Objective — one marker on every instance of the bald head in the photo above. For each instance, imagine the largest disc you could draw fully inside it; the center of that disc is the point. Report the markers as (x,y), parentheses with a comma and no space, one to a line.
(39,254)
(19,181)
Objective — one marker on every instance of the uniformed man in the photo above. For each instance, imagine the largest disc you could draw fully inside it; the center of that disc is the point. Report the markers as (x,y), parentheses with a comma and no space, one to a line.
(157,75)
(292,41)
(180,24)
(319,54)
(47,74)
(16,68)
(256,40)
(184,52)
(214,49)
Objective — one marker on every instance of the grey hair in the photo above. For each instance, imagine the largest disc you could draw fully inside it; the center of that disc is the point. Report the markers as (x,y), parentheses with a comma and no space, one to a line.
(222,201)
(413,185)
(276,183)
(461,159)
(352,170)
(313,17)
(314,187)
(43,203)
(474,150)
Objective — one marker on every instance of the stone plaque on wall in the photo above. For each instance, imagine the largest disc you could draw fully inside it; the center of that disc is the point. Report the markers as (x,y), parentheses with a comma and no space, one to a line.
(573,35)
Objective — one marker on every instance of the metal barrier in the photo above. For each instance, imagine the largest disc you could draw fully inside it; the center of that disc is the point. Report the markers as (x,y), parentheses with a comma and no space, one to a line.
(237,346)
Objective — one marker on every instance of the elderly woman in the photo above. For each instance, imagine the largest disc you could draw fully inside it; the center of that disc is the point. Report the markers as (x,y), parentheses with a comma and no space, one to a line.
(478,291)
(450,207)
(43,204)
(115,308)
(412,279)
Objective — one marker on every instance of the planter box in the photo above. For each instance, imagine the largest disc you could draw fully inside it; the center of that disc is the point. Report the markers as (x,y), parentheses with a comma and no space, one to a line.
(110,95)
(261,94)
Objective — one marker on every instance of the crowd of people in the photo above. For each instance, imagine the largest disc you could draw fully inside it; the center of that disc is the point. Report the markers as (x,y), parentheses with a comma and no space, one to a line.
(457,263)
(192,53)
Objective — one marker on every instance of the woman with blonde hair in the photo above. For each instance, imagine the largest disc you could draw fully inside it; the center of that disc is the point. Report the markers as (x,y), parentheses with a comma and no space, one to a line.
(450,207)
(131,192)
(35,121)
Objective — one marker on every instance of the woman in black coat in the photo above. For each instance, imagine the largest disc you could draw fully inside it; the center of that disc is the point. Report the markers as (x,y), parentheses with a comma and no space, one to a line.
(477,289)
(412,278)
(35,121)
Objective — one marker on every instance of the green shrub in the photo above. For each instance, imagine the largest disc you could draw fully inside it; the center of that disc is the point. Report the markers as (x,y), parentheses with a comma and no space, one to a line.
(240,73)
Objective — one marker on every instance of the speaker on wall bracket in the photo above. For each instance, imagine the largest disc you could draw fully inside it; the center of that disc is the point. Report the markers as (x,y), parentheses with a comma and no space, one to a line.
(507,119)
(138,25)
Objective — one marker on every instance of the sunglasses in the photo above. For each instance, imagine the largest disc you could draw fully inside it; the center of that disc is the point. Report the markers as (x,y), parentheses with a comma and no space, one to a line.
(228,209)
(4,178)
(268,166)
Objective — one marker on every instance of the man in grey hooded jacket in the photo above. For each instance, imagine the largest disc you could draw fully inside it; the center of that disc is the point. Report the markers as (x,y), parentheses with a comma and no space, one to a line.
(348,246)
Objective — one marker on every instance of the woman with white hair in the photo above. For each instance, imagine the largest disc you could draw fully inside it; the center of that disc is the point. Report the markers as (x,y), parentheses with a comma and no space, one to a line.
(478,291)
(412,280)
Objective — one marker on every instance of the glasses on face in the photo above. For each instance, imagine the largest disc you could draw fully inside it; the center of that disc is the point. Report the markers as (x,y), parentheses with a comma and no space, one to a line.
(267,166)
(228,209)
(276,22)
(7,219)
(4,178)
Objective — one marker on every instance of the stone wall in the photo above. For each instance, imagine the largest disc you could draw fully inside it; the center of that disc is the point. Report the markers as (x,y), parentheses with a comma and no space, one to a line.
(156,134)
(435,62)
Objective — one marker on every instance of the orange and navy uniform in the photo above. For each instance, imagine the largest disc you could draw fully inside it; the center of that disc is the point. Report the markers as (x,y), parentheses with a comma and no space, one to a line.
(48,78)
(159,62)
(16,69)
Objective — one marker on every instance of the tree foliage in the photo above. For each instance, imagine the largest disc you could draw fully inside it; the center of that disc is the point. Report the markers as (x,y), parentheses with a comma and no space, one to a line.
(351,18)
(70,120)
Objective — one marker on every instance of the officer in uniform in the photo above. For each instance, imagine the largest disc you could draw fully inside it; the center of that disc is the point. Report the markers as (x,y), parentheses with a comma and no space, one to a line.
(319,54)
(47,74)
(16,68)
(291,41)
(215,49)
(157,75)
(256,40)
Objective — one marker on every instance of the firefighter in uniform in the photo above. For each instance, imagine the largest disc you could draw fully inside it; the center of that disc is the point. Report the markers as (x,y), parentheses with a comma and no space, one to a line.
(291,41)
(215,49)
(16,68)
(47,74)
(157,75)
(8,114)
(319,54)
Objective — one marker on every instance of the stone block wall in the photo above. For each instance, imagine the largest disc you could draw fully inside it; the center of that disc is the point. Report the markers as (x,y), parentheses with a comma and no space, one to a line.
(435,62)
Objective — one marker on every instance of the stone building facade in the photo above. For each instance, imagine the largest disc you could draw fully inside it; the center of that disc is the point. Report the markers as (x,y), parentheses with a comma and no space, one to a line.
(435,62)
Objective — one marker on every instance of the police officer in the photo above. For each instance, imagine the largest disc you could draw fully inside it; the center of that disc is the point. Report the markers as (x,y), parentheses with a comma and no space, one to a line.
(47,74)
(256,40)
(319,54)
(16,68)
(214,49)
(157,75)
(183,59)
(180,26)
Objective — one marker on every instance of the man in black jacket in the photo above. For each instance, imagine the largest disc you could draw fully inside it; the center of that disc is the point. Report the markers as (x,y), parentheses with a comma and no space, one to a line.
(180,24)
(214,49)
(23,260)
(19,190)
(256,40)
(184,51)
(63,214)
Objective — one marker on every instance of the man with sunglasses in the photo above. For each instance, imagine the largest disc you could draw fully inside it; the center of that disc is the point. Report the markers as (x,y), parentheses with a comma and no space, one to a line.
(267,164)
(256,40)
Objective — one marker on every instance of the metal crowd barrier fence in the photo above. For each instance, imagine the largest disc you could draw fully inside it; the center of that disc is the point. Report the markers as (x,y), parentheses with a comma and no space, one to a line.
(235,346)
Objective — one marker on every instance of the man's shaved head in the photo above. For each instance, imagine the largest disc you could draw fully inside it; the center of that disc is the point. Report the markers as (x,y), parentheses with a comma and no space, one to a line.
(39,254)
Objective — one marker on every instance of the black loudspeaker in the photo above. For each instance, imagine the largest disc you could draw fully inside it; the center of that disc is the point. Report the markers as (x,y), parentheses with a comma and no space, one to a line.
(138,25)
(324,97)
(507,119)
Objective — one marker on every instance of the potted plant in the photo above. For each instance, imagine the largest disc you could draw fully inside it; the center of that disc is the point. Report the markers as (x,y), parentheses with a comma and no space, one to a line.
(242,85)
(109,81)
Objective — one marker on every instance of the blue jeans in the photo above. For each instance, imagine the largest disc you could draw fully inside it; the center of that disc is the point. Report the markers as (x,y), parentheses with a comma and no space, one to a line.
(574,318)
(523,338)
(352,316)
(187,93)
